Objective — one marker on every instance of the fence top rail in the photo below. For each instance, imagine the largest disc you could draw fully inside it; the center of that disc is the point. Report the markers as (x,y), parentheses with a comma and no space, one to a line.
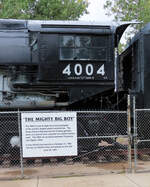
(52,111)
(144,109)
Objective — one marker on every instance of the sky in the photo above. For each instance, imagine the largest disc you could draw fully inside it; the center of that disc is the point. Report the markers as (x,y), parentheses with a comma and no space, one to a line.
(96,12)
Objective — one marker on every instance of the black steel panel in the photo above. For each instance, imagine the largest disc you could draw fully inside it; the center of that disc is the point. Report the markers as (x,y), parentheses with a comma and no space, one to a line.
(14,48)
(6,24)
(15,55)
(48,56)
(146,70)
(79,93)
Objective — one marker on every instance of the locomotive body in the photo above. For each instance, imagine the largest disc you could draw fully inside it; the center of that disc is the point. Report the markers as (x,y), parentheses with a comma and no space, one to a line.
(58,65)
(50,64)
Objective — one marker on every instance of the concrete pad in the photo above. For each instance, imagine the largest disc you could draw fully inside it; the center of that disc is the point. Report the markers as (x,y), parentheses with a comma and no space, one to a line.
(141,179)
(19,183)
(88,181)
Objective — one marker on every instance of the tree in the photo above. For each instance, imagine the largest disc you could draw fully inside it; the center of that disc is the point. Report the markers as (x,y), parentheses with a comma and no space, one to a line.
(129,10)
(43,9)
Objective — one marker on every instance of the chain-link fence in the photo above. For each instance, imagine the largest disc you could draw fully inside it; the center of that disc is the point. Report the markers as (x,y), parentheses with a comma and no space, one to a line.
(49,143)
(73,143)
(9,145)
(142,140)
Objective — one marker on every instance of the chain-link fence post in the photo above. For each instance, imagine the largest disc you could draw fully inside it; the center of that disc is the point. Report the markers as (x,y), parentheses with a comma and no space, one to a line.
(21,148)
(129,134)
(135,134)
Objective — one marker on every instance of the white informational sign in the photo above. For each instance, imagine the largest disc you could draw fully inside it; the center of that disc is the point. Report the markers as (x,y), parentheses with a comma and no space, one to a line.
(49,134)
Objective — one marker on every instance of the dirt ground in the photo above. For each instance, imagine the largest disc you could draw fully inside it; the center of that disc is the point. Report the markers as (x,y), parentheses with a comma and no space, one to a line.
(59,170)
(71,169)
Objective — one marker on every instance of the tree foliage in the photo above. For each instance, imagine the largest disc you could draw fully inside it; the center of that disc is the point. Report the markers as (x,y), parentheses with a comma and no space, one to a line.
(43,9)
(129,10)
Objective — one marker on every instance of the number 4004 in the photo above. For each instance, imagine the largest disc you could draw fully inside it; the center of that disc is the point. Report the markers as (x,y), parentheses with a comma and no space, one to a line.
(78,70)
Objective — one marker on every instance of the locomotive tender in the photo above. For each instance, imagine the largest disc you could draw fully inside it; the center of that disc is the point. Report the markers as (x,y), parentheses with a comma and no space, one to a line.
(134,78)
(55,64)
(134,68)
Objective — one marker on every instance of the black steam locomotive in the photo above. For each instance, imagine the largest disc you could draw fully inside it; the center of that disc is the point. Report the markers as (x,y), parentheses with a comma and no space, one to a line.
(58,64)
(63,65)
